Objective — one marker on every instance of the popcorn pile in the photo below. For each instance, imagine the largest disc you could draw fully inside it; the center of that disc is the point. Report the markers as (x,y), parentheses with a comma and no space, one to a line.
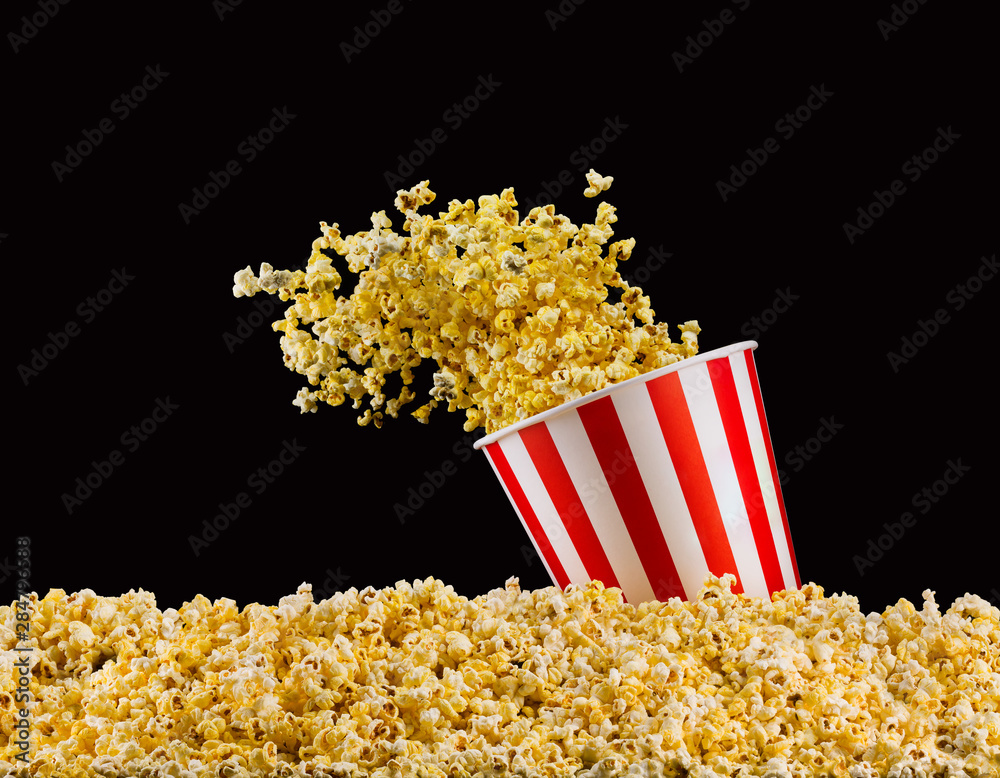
(418,681)
(514,313)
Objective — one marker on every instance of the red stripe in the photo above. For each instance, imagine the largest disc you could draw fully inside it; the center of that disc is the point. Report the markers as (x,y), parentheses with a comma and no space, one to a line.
(506,473)
(759,401)
(724,385)
(679,434)
(558,483)
(604,428)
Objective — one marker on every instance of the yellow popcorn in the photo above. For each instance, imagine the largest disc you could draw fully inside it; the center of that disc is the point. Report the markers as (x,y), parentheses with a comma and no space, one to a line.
(598,183)
(514,313)
(414,680)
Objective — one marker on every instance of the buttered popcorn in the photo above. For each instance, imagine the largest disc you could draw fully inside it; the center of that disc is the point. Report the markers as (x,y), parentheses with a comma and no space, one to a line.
(415,680)
(514,313)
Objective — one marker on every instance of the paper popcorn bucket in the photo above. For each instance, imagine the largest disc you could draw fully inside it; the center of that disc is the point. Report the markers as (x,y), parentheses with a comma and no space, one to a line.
(651,484)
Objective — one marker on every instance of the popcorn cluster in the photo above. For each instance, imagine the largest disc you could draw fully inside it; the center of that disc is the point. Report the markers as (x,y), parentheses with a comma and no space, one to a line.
(514,313)
(418,681)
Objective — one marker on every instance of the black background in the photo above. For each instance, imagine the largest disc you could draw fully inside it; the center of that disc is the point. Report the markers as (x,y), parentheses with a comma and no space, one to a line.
(562,74)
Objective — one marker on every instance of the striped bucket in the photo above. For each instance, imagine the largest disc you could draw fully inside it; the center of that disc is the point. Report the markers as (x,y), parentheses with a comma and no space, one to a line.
(653,483)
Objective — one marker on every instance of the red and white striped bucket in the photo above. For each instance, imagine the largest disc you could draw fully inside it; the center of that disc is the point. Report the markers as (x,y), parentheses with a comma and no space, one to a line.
(650,484)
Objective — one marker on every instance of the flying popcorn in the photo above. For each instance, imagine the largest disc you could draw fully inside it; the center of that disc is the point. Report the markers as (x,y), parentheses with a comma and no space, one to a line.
(515,314)
(415,680)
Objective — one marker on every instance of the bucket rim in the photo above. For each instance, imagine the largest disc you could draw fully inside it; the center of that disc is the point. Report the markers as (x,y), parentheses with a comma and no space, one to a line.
(551,413)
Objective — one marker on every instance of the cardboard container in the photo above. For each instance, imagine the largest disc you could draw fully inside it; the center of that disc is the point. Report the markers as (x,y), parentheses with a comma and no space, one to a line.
(652,483)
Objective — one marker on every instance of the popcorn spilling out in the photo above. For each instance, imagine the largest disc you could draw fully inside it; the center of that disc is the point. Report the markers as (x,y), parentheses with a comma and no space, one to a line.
(415,680)
(514,313)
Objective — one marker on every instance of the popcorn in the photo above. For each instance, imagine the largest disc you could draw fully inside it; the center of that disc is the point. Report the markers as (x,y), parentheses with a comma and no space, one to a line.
(416,680)
(598,183)
(515,313)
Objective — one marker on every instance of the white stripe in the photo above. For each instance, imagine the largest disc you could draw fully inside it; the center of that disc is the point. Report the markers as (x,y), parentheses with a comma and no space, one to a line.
(531,536)
(722,473)
(584,469)
(744,388)
(538,497)
(638,417)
